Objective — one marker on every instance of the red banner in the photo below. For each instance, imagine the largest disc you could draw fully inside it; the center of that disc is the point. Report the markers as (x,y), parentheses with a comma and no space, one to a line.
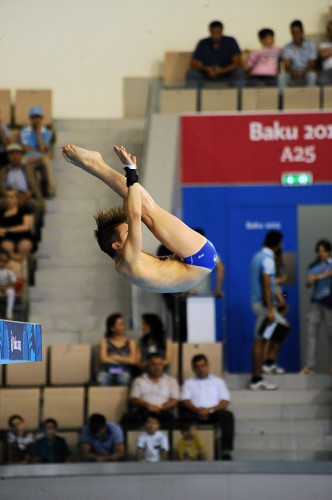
(255,148)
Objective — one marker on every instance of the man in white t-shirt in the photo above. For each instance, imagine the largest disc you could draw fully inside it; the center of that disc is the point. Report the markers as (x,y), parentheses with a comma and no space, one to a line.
(205,398)
(325,54)
(152,444)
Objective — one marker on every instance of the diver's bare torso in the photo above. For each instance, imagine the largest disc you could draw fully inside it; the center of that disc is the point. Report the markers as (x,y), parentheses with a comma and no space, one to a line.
(161,275)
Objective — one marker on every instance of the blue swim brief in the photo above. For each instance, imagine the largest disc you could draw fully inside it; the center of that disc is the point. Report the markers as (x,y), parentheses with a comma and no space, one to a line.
(205,257)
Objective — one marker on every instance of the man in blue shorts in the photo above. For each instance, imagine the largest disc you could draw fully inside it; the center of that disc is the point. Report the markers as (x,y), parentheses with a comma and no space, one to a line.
(119,230)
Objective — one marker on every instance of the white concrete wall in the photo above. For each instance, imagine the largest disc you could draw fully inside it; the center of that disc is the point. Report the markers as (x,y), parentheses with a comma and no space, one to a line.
(83,49)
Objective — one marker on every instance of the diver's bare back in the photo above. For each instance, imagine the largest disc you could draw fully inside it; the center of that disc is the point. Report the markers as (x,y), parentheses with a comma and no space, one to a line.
(169,275)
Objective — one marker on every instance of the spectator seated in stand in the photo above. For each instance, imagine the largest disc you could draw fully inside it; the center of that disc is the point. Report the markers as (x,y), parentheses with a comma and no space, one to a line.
(20,442)
(152,444)
(16,229)
(153,340)
(205,399)
(52,449)
(4,141)
(118,353)
(325,55)
(36,140)
(190,446)
(154,391)
(23,178)
(7,284)
(262,65)
(319,313)
(216,59)
(102,441)
(300,59)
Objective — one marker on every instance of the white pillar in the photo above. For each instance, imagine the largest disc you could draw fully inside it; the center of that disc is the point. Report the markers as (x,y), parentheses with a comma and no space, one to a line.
(201,318)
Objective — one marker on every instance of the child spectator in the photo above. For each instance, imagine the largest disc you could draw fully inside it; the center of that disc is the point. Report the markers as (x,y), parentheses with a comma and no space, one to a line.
(7,284)
(20,442)
(52,448)
(152,445)
(190,446)
(263,64)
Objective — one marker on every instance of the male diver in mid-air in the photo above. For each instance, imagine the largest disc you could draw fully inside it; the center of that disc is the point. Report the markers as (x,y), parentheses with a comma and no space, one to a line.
(119,230)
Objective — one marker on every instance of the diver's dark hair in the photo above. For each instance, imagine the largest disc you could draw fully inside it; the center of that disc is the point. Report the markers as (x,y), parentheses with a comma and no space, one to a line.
(107,223)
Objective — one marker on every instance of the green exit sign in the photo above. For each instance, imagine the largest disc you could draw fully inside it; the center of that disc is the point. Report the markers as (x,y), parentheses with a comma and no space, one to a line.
(296,179)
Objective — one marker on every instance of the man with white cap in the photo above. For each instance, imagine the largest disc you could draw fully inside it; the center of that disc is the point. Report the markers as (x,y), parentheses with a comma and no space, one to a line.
(36,142)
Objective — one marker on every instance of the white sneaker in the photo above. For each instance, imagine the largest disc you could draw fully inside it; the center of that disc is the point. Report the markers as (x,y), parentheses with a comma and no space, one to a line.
(262,385)
(273,369)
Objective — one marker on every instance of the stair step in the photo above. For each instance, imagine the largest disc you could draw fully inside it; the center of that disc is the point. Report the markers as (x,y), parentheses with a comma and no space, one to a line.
(281,427)
(74,307)
(66,235)
(78,276)
(283,412)
(281,397)
(91,127)
(282,455)
(48,254)
(289,381)
(80,220)
(311,442)
(50,264)
(72,324)
(60,293)
(72,207)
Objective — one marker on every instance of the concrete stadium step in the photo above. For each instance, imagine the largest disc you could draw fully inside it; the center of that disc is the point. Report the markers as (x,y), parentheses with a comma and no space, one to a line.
(56,293)
(281,397)
(312,442)
(75,307)
(75,337)
(49,263)
(288,381)
(73,207)
(83,192)
(80,276)
(282,455)
(96,126)
(71,250)
(283,412)
(71,324)
(274,427)
(81,220)
(65,235)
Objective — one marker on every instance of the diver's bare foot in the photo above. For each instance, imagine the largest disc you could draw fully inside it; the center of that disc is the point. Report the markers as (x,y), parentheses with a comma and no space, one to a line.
(125,157)
(83,158)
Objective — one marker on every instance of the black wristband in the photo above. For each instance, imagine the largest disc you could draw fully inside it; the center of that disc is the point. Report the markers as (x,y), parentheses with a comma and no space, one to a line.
(131,176)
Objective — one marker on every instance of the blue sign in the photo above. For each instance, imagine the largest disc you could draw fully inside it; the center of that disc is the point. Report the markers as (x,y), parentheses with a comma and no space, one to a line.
(20,342)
